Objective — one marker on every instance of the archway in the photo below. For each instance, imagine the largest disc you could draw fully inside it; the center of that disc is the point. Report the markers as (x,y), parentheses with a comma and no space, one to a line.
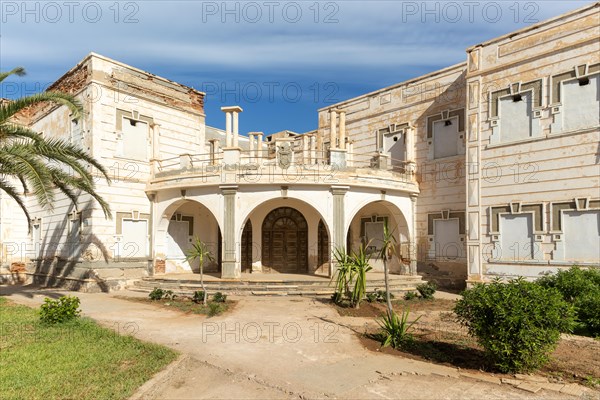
(285,241)
(367,229)
(184,221)
(323,246)
(247,247)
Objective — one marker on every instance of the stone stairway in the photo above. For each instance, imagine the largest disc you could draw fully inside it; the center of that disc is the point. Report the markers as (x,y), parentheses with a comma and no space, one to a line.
(399,284)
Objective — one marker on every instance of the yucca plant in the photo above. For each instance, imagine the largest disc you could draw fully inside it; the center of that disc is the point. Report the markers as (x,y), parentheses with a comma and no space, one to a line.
(200,251)
(360,264)
(343,275)
(395,329)
(40,164)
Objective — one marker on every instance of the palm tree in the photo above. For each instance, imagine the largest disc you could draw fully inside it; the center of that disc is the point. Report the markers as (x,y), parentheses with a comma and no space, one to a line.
(388,247)
(199,251)
(43,165)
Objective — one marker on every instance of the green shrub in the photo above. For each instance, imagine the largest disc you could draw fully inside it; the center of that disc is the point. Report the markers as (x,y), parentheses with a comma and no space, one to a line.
(219,297)
(587,308)
(410,296)
(57,311)
(427,290)
(156,294)
(198,296)
(371,297)
(215,309)
(394,329)
(580,287)
(169,295)
(381,296)
(518,323)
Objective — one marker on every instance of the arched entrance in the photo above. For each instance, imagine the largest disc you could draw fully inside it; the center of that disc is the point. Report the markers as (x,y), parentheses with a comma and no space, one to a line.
(367,229)
(247,247)
(184,221)
(285,241)
(323,245)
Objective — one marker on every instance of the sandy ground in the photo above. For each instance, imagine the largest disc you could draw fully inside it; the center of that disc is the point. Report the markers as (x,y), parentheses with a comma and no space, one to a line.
(277,348)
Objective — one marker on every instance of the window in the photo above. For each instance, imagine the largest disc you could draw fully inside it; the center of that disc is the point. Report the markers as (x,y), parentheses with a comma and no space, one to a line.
(76,133)
(179,234)
(134,240)
(372,233)
(581,235)
(446,232)
(445,133)
(36,237)
(515,112)
(516,235)
(515,117)
(135,139)
(445,138)
(73,240)
(132,235)
(448,244)
(133,135)
(580,103)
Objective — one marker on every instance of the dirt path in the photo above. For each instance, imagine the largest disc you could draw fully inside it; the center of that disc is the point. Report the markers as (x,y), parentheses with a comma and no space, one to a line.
(268,348)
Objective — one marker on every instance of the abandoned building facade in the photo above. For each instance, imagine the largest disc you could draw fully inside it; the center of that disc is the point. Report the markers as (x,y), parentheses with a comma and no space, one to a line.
(486,168)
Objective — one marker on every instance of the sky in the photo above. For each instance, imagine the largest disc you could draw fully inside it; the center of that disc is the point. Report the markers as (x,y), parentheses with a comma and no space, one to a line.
(279,60)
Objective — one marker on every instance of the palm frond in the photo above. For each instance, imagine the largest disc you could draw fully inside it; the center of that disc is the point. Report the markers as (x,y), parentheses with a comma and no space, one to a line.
(9,131)
(19,71)
(10,109)
(12,192)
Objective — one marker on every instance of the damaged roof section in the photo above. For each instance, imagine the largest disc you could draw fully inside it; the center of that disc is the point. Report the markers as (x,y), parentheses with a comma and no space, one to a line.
(102,72)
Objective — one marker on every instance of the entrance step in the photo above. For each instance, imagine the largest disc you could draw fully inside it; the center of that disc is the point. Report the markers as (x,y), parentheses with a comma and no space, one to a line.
(399,284)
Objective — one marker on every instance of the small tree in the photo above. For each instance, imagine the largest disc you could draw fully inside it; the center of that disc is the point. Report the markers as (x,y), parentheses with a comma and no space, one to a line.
(200,252)
(388,247)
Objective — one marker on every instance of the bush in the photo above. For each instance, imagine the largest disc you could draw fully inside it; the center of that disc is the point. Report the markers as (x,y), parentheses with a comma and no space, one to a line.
(215,309)
(580,287)
(198,296)
(372,297)
(156,294)
(57,311)
(517,323)
(394,329)
(410,296)
(427,290)
(219,297)
(169,295)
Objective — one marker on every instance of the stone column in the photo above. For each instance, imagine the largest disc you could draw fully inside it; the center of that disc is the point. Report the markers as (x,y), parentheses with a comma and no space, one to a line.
(251,138)
(231,268)
(305,149)
(342,130)
(259,146)
(413,235)
(227,129)
(313,149)
(339,223)
(332,130)
(410,150)
(214,148)
(155,146)
(236,132)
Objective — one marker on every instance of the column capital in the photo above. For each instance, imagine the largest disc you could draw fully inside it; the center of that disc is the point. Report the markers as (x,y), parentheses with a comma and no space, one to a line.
(339,190)
(228,189)
(232,109)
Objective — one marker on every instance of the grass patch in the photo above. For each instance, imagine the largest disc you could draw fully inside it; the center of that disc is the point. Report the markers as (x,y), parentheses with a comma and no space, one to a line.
(186,305)
(76,359)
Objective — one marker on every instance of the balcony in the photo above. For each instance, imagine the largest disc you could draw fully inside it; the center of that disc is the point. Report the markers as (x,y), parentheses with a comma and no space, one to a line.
(276,164)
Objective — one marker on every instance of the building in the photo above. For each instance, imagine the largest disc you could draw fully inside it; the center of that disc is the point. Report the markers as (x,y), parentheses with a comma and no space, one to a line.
(486,168)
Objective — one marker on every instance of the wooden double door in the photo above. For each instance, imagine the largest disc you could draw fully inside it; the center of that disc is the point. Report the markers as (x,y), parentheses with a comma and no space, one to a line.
(285,241)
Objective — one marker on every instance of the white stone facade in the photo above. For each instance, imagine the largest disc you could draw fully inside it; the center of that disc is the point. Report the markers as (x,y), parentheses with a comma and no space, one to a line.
(485,168)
